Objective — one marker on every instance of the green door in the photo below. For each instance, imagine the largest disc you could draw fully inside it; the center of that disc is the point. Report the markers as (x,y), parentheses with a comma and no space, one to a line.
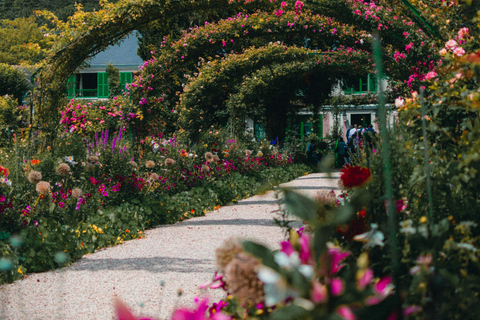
(102,85)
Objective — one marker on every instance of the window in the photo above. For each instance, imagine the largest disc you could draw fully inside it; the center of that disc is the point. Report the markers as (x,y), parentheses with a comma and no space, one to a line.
(361,85)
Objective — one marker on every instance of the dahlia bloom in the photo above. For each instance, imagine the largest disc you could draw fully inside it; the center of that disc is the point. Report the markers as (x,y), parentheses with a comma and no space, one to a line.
(355,176)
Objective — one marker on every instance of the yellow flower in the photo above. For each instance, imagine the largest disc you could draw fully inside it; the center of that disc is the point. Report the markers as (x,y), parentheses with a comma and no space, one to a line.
(20,270)
(423,219)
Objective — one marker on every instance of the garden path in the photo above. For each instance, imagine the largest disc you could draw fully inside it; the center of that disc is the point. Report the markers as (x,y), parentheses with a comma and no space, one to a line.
(181,255)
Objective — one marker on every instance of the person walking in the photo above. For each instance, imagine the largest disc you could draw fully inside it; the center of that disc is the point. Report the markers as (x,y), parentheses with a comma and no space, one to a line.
(341,152)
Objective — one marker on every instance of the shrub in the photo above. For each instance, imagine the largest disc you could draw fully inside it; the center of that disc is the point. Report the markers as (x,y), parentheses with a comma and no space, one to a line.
(13,82)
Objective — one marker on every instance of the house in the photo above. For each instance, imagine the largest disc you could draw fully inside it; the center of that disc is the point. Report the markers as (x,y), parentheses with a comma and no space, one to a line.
(92,82)
(336,118)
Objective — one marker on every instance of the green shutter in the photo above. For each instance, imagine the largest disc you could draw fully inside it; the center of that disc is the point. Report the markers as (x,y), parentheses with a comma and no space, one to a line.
(102,85)
(372,83)
(320,125)
(125,77)
(71,86)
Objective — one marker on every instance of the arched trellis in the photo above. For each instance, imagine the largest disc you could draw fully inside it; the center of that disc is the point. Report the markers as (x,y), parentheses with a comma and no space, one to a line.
(235,35)
(247,94)
(242,31)
(96,32)
(108,26)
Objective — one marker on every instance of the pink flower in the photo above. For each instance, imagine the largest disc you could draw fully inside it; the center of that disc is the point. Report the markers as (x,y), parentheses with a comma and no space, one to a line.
(450,44)
(287,248)
(346,313)
(336,256)
(284,5)
(463,32)
(61,204)
(338,287)
(197,314)
(365,278)
(298,6)
(409,47)
(443,52)
(397,56)
(305,252)
(279,12)
(431,75)
(318,293)
(123,313)
(459,51)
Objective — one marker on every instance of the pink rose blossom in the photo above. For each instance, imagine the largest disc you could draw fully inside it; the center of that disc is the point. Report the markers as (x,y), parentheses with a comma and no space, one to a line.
(459,51)
(463,32)
(430,75)
(451,44)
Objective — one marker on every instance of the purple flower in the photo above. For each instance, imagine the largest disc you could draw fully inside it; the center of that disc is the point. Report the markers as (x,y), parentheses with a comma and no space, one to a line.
(61,204)
(2,198)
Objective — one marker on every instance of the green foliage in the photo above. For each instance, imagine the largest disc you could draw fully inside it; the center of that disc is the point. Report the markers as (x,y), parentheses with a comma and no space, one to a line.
(23,41)
(13,82)
(12,118)
(113,81)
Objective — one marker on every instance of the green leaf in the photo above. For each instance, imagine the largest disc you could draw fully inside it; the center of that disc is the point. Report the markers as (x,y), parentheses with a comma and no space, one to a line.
(289,313)
(262,253)
(343,215)
(321,236)
(379,311)
(300,205)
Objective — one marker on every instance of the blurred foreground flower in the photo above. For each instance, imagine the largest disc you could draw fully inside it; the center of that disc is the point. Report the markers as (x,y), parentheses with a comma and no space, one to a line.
(123,313)
(198,314)
(371,238)
(355,176)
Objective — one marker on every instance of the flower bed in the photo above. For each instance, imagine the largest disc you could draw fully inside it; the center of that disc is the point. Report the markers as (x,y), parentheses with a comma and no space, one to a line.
(97,192)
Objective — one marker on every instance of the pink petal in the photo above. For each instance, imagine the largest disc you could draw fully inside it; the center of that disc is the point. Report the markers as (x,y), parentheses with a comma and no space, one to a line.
(337,286)
(381,286)
(346,313)
(365,279)
(411,309)
(287,248)
(304,247)
(318,293)
(123,313)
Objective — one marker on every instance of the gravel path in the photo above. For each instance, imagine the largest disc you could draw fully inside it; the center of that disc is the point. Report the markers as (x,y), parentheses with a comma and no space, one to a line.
(180,256)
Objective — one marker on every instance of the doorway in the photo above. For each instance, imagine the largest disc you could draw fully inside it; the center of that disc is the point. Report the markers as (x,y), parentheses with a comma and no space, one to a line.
(363,119)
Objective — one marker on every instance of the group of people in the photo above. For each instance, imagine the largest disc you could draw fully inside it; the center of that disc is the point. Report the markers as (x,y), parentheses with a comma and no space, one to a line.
(356,137)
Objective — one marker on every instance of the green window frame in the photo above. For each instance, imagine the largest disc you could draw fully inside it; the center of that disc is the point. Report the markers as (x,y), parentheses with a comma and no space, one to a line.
(365,84)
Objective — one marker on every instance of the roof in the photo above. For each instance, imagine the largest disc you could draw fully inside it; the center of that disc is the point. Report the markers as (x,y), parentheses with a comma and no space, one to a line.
(120,55)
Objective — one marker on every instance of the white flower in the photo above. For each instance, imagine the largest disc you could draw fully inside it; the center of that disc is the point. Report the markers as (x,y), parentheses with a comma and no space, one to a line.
(399,102)
(407,227)
(466,246)
(276,288)
(371,238)
(468,224)
(285,261)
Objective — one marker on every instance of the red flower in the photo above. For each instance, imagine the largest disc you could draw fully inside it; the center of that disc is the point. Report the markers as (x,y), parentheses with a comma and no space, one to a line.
(354,176)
